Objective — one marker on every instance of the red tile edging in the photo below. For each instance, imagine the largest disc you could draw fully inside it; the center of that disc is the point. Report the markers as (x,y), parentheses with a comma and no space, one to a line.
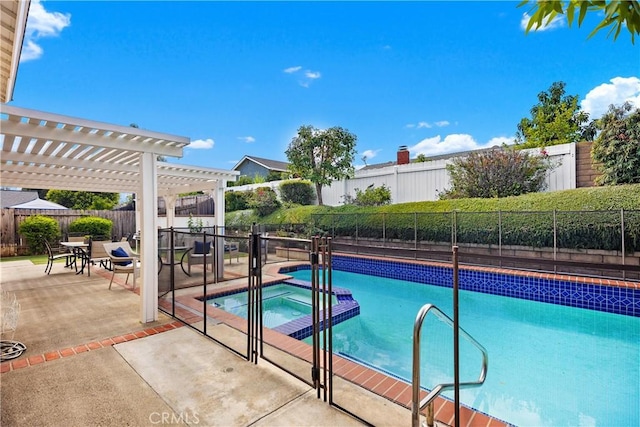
(26,361)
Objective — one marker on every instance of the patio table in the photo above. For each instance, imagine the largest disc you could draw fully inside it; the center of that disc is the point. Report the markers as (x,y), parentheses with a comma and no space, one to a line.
(176,260)
(79,249)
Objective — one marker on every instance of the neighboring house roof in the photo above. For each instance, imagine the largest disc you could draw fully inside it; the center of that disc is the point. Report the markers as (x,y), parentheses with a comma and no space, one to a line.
(377,166)
(39,204)
(10,198)
(273,165)
(429,158)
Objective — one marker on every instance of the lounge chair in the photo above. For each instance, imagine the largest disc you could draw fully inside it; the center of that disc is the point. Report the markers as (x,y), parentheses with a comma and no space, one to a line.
(123,260)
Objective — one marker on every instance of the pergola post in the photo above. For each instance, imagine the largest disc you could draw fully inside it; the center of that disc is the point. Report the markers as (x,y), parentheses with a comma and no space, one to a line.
(149,238)
(218,196)
(170,204)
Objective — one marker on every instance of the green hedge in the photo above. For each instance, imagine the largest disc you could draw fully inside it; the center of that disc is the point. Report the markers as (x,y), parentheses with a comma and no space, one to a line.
(299,192)
(587,218)
(36,228)
(91,226)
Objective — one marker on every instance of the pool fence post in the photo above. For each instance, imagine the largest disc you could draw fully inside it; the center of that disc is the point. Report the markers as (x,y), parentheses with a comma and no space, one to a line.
(500,236)
(622,242)
(555,241)
(384,229)
(456,338)
(172,279)
(415,234)
(454,228)
(326,315)
(315,276)
(329,265)
(356,233)
(254,312)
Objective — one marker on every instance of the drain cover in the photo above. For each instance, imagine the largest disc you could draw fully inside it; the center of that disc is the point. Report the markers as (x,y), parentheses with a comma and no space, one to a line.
(11,349)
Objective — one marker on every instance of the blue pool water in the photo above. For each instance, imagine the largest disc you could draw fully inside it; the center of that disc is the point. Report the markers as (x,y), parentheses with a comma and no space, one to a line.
(549,365)
(281,304)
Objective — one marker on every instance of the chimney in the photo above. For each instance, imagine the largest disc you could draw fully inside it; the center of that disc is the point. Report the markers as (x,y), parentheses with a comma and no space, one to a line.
(403,155)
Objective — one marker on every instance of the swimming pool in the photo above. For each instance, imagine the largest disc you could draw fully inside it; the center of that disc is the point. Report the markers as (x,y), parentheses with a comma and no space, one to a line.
(549,365)
(281,304)
(287,307)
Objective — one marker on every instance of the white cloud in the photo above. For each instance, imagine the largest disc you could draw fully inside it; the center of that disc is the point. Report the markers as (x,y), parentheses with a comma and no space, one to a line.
(30,51)
(452,143)
(201,144)
(557,22)
(247,139)
(427,125)
(312,74)
(41,24)
(619,91)
(370,154)
(292,70)
(305,78)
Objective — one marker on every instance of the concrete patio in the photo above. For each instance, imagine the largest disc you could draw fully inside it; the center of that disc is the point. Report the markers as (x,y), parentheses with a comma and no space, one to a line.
(89,361)
(99,383)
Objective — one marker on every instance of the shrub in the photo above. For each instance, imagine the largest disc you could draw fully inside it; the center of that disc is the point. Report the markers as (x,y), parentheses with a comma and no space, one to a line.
(38,227)
(497,173)
(92,226)
(373,196)
(618,146)
(195,224)
(237,200)
(299,192)
(264,201)
(242,180)
(276,176)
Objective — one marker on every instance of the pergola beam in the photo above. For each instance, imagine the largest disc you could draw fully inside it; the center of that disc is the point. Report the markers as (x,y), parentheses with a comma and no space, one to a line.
(44,150)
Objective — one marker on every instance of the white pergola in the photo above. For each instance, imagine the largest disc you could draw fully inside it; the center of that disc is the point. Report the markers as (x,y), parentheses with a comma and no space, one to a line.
(47,150)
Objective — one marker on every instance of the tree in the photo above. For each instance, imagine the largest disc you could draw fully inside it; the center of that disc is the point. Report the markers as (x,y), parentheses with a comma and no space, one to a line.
(496,173)
(83,199)
(556,119)
(322,156)
(617,146)
(617,14)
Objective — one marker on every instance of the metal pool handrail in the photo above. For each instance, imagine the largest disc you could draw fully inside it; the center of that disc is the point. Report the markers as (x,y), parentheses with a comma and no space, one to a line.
(416,404)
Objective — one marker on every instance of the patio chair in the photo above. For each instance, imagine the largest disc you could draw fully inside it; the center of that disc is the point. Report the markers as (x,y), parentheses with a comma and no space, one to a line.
(69,257)
(123,260)
(199,254)
(231,248)
(98,255)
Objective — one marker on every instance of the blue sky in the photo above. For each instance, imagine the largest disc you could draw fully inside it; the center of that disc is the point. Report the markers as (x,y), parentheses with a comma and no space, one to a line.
(239,78)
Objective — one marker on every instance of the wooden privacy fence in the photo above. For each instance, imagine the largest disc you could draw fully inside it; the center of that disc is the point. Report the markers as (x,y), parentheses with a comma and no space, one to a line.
(124,223)
(189,205)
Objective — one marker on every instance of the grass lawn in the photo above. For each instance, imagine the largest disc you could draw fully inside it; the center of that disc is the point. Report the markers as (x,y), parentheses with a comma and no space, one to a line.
(36,259)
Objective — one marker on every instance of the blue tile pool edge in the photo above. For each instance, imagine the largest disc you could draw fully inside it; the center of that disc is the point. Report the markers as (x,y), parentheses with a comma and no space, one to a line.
(612,299)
